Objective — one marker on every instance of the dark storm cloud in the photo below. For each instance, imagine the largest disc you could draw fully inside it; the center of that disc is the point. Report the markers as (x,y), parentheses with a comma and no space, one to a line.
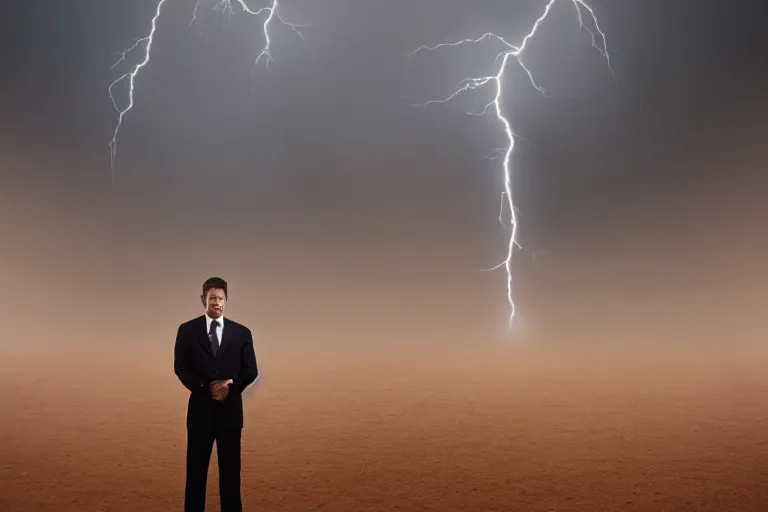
(344,94)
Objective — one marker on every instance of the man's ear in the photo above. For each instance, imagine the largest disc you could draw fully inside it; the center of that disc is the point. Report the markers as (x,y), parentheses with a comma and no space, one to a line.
(202,299)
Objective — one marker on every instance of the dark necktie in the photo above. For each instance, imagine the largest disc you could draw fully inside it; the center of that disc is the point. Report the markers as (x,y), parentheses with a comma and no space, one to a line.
(214,338)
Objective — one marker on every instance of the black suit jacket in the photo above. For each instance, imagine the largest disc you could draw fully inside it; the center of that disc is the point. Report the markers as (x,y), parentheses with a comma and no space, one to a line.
(196,367)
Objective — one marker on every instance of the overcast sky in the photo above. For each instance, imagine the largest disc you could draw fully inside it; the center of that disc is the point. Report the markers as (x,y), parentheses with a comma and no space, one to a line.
(321,160)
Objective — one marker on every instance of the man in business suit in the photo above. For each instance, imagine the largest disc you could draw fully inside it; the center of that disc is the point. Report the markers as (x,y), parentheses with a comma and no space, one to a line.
(215,360)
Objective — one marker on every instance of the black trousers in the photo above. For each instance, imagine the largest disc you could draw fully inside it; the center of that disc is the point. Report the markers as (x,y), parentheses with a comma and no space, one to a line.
(199,449)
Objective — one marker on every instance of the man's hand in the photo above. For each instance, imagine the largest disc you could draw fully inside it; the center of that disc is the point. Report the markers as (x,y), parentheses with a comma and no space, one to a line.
(220,389)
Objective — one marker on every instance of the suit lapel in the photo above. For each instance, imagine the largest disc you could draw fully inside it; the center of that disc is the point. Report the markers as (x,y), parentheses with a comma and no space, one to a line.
(202,336)
(226,337)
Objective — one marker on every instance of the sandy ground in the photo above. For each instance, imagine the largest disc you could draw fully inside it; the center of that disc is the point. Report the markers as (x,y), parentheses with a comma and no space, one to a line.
(484,427)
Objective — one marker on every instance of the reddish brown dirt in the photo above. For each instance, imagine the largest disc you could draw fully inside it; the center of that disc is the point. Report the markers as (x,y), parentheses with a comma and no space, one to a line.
(486,429)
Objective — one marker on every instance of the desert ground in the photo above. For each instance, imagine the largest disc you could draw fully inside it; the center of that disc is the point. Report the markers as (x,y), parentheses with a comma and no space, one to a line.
(483,426)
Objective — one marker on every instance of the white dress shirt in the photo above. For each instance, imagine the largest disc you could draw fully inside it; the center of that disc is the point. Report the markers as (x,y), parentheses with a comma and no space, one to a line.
(219,329)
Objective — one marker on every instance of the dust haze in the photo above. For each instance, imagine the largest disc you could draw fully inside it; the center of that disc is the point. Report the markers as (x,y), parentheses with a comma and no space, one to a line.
(638,382)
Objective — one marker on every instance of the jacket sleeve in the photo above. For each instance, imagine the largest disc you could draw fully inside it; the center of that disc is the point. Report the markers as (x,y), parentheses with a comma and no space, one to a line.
(191,379)
(248,368)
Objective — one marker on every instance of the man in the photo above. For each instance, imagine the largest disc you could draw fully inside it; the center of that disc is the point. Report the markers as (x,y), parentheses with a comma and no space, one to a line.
(215,360)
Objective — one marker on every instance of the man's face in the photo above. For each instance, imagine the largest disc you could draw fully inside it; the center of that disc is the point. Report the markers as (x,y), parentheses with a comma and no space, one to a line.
(214,302)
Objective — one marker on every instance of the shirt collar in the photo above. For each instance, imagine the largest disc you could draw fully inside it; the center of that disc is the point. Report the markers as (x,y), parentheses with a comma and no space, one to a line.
(209,321)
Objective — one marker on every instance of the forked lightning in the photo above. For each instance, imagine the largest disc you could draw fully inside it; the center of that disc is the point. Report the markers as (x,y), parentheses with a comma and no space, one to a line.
(270,14)
(497,80)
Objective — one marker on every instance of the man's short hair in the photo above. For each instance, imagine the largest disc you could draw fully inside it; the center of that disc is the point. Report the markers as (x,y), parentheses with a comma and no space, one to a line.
(214,282)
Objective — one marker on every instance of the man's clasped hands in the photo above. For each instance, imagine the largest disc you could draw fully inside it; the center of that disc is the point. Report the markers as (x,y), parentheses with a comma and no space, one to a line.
(220,389)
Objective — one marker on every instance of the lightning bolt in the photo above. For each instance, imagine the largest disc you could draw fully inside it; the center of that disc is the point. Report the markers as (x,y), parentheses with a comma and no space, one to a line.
(271,13)
(516,53)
